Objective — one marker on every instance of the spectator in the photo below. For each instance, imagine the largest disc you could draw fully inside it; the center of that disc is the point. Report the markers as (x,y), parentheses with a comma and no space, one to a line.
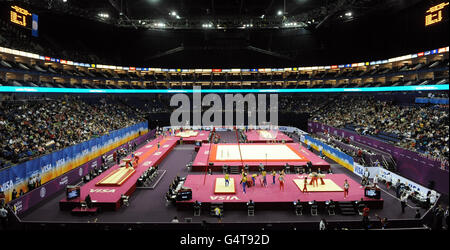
(375,181)
(446,216)
(398,188)
(418,215)
(14,194)
(2,196)
(33,128)
(403,201)
(365,220)
(428,200)
(88,201)
(323,225)
(383,221)
(38,180)
(427,135)
(388,181)
(437,218)
(367,173)
(3,217)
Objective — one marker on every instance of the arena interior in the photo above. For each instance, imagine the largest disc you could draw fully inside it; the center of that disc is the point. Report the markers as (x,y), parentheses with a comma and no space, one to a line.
(344,108)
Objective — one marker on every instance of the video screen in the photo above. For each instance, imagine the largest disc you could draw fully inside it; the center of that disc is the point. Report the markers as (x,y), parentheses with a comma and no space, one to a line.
(372,193)
(72,192)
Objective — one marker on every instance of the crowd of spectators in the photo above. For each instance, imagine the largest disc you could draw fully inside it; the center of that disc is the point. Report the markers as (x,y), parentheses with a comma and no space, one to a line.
(32,128)
(421,128)
(302,104)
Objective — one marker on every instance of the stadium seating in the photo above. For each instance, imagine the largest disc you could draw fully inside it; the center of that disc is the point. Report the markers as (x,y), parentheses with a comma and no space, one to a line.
(35,127)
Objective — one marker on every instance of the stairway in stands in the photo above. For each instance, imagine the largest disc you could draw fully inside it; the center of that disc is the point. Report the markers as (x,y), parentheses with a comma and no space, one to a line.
(347,208)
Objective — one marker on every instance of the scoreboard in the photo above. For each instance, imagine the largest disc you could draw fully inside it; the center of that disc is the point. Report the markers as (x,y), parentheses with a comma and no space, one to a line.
(436,14)
(21,16)
(24,18)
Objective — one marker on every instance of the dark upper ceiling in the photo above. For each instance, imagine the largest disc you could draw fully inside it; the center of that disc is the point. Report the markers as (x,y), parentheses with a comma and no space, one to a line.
(146,9)
(186,10)
(195,8)
(380,29)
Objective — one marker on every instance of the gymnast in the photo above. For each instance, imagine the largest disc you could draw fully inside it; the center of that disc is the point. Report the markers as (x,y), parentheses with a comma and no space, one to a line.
(227,180)
(314,178)
(304,185)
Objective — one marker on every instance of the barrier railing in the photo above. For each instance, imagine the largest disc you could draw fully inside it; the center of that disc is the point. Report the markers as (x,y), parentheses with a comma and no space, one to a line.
(42,193)
(409,164)
(48,167)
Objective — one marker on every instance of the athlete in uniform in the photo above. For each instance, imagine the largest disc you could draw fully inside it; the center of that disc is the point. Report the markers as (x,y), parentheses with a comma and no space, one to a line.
(346,187)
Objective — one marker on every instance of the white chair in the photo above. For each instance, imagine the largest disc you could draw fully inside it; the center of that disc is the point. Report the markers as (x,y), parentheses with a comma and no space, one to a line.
(314,210)
(331,209)
(197,211)
(299,210)
(83,205)
(251,211)
(125,201)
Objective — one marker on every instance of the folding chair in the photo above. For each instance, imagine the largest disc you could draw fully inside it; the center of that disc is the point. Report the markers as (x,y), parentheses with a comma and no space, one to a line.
(314,210)
(299,210)
(125,200)
(251,211)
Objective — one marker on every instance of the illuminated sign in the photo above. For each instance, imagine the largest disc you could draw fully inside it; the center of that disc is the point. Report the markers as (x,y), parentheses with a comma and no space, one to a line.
(20,16)
(15,89)
(434,14)
(24,18)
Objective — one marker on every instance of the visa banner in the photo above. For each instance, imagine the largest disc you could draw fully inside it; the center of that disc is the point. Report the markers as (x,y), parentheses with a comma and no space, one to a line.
(332,153)
(51,166)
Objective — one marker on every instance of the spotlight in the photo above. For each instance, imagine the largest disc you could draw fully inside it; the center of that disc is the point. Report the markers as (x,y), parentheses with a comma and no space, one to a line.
(348,14)
(103,15)
(207,25)
(280,13)
(173,13)
(160,25)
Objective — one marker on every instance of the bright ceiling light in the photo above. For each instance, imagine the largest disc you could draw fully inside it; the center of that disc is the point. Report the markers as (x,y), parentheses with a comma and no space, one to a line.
(160,25)
(280,13)
(103,15)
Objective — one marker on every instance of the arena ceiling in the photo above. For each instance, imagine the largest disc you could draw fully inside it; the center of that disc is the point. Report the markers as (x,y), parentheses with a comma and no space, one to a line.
(376,29)
(220,14)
